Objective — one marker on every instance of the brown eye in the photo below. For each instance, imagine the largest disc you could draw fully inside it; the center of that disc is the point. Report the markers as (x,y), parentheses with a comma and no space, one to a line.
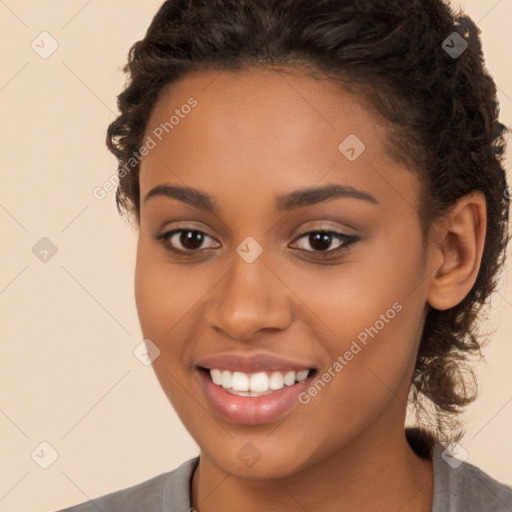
(322,241)
(191,240)
(183,240)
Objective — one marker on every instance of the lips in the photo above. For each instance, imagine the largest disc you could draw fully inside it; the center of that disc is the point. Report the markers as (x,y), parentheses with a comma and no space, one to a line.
(247,407)
(253,364)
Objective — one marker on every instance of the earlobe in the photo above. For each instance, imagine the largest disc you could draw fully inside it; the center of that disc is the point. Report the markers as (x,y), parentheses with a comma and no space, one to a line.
(458,248)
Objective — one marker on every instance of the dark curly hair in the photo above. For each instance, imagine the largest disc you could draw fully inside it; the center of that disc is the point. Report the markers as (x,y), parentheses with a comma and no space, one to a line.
(441,111)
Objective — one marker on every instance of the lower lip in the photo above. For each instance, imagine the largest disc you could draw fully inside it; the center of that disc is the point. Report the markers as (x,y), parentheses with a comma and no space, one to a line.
(252,410)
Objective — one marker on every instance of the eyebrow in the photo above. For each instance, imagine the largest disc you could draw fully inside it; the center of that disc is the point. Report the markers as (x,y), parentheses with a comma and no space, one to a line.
(285,202)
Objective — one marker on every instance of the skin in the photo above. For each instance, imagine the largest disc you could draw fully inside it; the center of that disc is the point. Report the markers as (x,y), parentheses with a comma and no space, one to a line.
(255,135)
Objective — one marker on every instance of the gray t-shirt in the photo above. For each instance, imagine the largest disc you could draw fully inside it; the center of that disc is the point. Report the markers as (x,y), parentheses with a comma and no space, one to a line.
(464,488)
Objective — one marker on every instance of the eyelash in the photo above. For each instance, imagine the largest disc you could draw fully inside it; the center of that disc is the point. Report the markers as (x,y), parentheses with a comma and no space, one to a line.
(348,240)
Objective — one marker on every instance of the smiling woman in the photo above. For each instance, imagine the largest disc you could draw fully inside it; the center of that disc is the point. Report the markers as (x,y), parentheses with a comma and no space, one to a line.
(316,239)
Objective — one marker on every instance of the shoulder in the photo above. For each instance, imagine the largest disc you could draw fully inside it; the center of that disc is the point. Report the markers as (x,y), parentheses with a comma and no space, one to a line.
(461,486)
(168,491)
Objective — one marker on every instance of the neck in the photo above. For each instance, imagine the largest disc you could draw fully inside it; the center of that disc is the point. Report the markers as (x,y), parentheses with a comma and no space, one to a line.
(374,473)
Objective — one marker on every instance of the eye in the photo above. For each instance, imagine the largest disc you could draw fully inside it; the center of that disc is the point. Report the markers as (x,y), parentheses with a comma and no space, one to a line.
(320,241)
(190,240)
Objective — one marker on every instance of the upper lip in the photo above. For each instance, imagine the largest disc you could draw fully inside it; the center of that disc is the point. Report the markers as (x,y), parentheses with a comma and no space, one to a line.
(251,364)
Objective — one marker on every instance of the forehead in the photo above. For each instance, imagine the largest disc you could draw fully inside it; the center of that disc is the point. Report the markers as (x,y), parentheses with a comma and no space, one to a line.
(280,101)
(254,127)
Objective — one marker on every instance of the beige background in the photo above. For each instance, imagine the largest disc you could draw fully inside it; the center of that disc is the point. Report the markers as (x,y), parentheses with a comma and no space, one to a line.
(69,326)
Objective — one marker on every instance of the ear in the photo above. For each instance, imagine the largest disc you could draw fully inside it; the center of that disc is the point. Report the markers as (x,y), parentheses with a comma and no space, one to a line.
(456,251)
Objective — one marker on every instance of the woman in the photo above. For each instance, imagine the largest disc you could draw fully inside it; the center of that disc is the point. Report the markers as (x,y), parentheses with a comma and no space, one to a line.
(322,211)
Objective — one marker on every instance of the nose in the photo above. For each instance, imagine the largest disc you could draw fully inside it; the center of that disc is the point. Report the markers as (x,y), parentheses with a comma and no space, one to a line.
(250,298)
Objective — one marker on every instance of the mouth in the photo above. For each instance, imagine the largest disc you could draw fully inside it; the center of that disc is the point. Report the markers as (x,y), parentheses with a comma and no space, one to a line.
(253,398)
(256,384)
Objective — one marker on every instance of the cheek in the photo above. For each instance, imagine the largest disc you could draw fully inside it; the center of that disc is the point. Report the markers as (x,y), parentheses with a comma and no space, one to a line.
(348,298)
(151,293)
(163,296)
(372,307)
(164,293)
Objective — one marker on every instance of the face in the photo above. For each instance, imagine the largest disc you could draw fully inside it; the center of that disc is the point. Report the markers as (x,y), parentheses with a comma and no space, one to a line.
(298,250)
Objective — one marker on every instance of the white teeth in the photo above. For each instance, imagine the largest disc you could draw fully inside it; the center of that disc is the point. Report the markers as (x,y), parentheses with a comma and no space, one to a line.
(302,375)
(255,384)
(216,376)
(226,379)
(247,393)
(289,378)
(240,382)
(259,382)
(276,380)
